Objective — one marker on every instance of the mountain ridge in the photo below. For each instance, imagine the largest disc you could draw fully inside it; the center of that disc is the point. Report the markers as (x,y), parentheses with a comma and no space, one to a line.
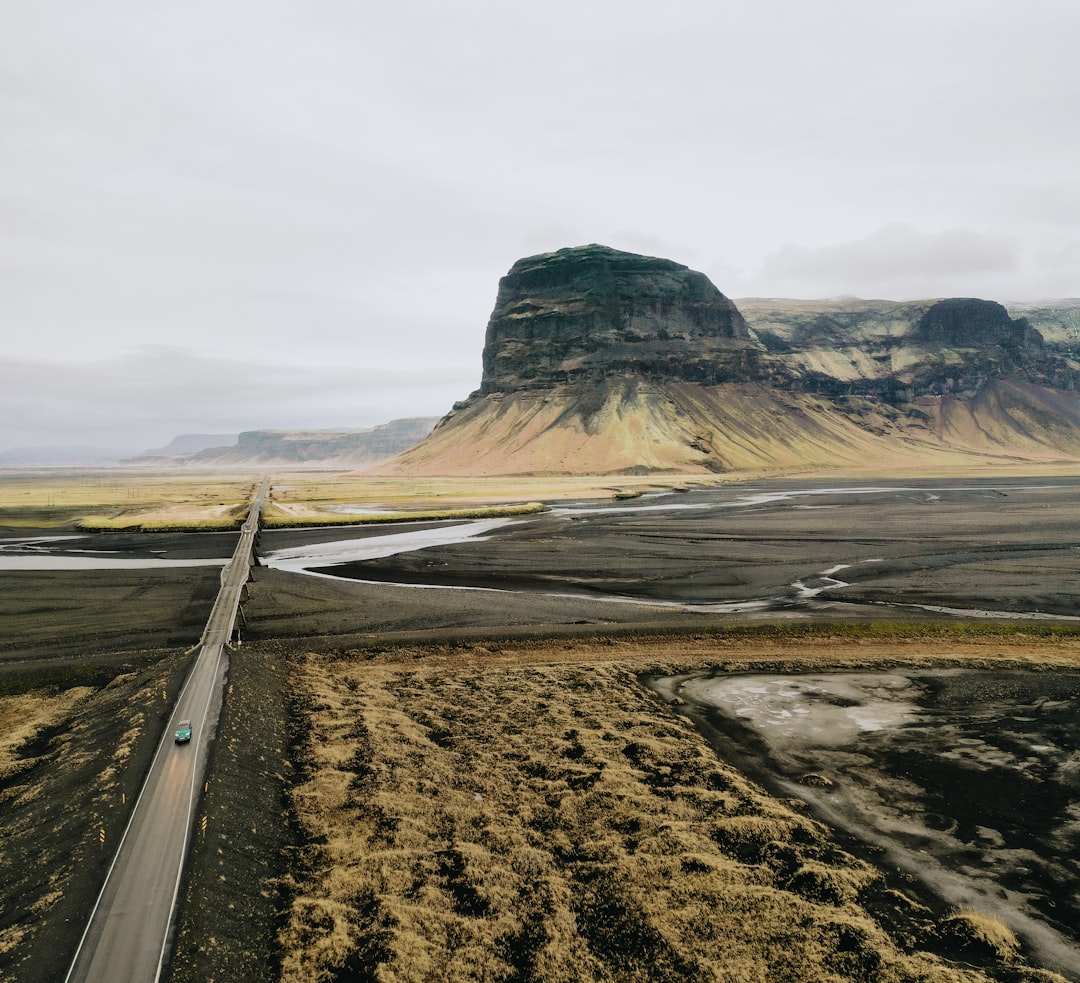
(351,448)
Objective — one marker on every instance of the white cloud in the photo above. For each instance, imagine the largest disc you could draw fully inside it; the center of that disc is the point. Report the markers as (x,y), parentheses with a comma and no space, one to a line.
(894,262)
(148,396)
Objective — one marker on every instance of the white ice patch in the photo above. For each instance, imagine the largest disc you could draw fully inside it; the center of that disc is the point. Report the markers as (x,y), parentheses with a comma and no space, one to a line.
(826,710)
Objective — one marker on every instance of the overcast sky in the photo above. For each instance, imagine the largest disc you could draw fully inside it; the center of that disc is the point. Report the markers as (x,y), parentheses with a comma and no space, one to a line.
(221,215)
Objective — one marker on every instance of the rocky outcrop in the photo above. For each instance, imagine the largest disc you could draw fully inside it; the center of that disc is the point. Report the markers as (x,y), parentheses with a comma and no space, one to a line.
(1058,321)
(592,312)
(965,322)
(900,352)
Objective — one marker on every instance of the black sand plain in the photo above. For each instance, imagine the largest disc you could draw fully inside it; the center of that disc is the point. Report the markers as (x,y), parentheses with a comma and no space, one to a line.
(981,547)
(1001,552)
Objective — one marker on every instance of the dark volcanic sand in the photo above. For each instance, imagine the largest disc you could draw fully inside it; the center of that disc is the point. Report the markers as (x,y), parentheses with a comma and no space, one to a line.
(56,618)
(1010,547)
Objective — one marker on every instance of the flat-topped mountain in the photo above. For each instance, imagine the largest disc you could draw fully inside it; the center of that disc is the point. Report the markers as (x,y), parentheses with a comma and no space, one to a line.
(593,312)
(597,361)
(312,448)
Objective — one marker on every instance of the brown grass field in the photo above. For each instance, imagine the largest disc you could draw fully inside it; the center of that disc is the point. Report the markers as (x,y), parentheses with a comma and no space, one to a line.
(527,809)
(532,812)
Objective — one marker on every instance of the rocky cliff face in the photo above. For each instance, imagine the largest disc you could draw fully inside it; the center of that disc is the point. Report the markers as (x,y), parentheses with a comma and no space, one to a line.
(1058,321)
(902,351)
(592,312)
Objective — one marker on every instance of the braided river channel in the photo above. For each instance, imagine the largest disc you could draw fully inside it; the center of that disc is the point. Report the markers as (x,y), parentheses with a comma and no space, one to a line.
(966,780)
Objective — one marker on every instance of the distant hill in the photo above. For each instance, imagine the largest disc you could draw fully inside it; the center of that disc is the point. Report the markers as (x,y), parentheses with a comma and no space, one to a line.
(598,361)
(340,448)
(356,449)
(190,443)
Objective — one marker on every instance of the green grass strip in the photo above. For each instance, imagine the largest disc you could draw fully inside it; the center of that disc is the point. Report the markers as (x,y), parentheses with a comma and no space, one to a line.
(103,524)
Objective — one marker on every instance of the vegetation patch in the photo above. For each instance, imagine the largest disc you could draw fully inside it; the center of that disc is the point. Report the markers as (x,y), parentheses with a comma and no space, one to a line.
(466,821)
(134,525)
(233,519)
(981,936)
(991,631)
(65,498)
(402,493)
(23,718)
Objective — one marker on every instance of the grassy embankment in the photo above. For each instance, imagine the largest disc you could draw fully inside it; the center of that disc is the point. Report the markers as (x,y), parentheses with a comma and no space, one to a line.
(274,518)
(122,500)
(306,500)
(137,501)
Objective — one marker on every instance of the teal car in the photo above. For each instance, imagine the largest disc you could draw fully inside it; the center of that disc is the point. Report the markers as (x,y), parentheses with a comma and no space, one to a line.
(183,732)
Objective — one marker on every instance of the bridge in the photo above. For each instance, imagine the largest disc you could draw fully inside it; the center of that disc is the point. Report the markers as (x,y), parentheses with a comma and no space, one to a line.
(129,933)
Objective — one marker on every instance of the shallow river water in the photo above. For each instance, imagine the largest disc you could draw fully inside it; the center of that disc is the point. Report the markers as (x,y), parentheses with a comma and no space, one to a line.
(60,553)
(741,550)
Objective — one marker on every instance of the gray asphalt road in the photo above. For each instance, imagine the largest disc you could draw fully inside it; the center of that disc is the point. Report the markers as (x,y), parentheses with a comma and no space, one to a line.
(127,937)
